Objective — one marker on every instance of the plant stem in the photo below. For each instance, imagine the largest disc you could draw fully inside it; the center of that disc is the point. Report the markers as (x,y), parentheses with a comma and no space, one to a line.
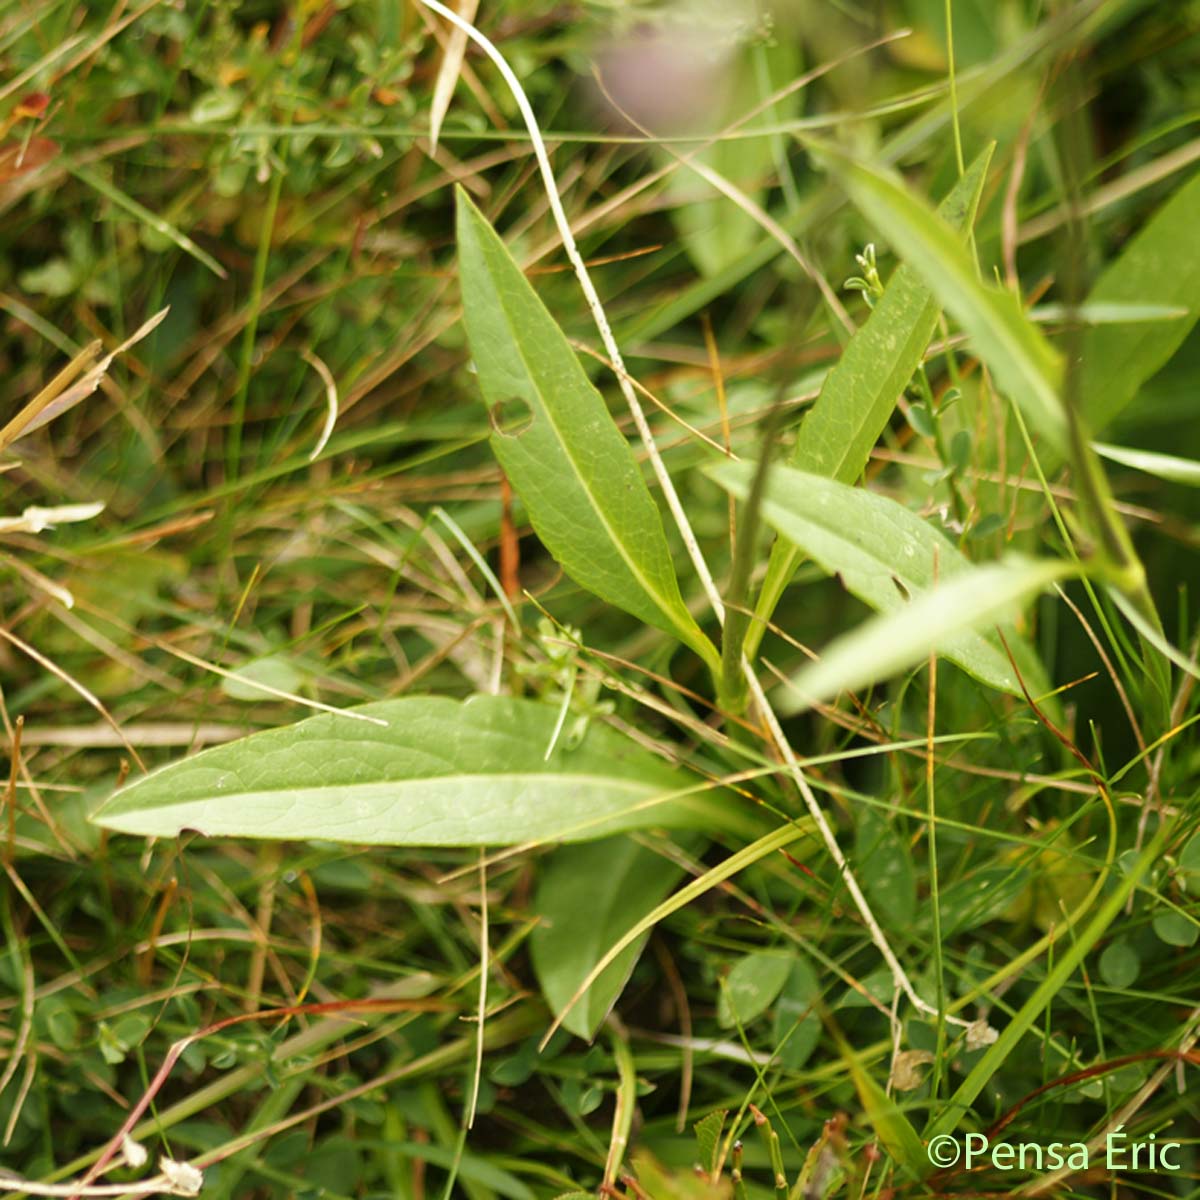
(732,685)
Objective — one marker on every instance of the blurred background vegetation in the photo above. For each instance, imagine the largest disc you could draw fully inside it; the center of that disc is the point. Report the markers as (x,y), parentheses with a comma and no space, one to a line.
(265,171)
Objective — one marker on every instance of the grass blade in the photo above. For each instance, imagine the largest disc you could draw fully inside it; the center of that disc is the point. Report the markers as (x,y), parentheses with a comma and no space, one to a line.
(890,1125)
(777,839)
(1073,953)
(153,220)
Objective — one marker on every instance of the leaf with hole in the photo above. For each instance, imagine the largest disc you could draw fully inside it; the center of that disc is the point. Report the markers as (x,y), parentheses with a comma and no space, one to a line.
(890,558)
(558,444)
(439,772)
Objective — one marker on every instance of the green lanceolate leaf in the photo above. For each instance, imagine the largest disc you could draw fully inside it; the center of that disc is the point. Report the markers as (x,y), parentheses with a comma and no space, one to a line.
(440,772)
(1020,358)
(954,618)
(859,394)
(1163,262)
(888,557)
(887,1121)
(752,984)
(1164,466)
(558,444)
(588,897)
(708,1139)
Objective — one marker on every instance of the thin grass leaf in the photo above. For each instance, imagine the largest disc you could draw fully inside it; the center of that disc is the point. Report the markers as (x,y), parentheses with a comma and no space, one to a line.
(859,394)
(160,226)
(1023,362)
(885,555)
(1072,952)
(777,839)
(889,1124)
(565,457)
(948,619)
(439,773)
(1163,466)
(1101,313)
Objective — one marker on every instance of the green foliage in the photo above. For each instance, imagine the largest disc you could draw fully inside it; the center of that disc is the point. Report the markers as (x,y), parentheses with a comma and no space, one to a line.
(708,1138)
(1026,366)
(894,1130)
(558,445)
(859,394)
(588,897)
(424,771)
(890,559)
(1161,262)
(289,494)
(751,986)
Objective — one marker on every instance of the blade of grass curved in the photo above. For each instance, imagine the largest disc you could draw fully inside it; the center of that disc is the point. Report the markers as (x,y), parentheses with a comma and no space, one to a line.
(884,554)
(859,393)
(573,470)
(1072,955)
(587,897)
(1023,362)
(886,1119)
(440,772)
(767,844)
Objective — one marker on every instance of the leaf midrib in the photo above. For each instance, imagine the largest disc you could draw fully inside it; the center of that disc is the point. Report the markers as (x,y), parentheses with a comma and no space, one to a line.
(664,604)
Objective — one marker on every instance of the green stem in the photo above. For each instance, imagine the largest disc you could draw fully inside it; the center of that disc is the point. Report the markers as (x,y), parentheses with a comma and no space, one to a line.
(233,451)
(731,691)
